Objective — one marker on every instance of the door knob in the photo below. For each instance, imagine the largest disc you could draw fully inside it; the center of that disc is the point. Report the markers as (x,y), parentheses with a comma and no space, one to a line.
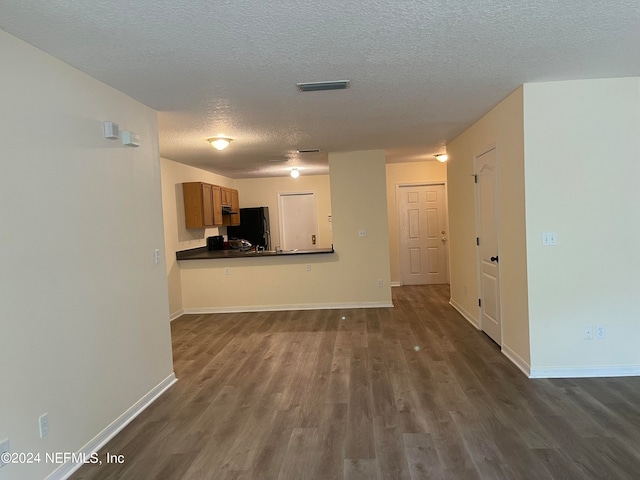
(494,259)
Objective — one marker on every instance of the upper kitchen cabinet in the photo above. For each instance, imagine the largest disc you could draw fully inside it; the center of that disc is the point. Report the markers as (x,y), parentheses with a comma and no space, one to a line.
(231,207)
(226,196)
(202,205)
(207,205)
(217,205)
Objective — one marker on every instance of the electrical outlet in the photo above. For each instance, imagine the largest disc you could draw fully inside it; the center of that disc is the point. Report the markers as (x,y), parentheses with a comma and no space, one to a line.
(156,255)
(308,267)
(601,332)
(588,332)
(227,271)
(362,233)
(43,421)
(4,448)
(380,283)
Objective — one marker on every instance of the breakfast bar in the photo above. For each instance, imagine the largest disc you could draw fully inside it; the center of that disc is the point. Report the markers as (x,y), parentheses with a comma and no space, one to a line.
(203,253)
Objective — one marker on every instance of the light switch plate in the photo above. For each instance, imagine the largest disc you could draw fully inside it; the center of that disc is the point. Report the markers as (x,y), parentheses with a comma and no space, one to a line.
(588,332)
(549,239)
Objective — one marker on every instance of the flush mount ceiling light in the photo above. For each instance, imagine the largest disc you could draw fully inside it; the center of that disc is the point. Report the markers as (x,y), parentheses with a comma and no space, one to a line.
(319,86)
(220,143)
(442,157)
(295,173)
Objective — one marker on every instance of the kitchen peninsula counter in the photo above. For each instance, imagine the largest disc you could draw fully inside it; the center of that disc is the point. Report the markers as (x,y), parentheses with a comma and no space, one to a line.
(202,253)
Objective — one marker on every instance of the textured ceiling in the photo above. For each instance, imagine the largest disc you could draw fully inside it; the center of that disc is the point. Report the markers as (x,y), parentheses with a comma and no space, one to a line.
(421,71)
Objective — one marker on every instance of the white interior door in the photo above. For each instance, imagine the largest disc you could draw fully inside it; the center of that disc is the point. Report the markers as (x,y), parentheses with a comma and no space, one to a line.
(488,249)
(298,221)
(423,234)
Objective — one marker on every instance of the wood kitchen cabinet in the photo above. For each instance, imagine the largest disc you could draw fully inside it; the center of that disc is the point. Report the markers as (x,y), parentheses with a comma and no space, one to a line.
(203,204)
(202,207)
(217,205)
(226,194)
(234,202)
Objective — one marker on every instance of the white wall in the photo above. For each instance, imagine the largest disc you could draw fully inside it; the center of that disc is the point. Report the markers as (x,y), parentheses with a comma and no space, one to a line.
(582,150)
(176,236)
(347,278)
(84,332)
(406,173)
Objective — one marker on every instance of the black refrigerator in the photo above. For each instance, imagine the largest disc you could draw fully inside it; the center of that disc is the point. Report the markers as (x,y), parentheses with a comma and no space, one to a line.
(254,227)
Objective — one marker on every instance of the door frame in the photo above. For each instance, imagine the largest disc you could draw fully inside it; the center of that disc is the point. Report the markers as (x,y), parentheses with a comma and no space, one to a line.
(446,221)
(280,218)
(487,149)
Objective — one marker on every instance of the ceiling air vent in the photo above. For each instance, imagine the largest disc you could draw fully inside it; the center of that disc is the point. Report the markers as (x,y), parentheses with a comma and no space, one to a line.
(310,150)
(318,86)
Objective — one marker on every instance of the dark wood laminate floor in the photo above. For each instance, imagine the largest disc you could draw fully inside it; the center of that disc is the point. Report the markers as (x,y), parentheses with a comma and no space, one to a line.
(412,392)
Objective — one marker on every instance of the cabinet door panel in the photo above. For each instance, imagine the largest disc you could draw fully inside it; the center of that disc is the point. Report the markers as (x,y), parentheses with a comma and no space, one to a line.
(207,205)
(235,207)
(193,204)
(217,205)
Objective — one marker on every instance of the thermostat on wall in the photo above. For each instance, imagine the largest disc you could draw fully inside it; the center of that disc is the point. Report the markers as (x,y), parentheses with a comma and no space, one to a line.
(131,139)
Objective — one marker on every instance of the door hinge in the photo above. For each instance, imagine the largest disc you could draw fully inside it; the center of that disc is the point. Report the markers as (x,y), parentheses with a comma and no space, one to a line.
(475,179)
(479,302)
(478,241)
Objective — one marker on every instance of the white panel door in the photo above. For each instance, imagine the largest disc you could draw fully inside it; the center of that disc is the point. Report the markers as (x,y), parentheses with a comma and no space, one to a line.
(298,221)
(423,249)
(488,248)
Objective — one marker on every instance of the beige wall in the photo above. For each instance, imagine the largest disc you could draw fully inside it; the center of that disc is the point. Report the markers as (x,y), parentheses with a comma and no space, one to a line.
(582,147)
(502,126)
(347,278)
(84,328)
(176,236)
(359,203)
(263,192)
(400,174)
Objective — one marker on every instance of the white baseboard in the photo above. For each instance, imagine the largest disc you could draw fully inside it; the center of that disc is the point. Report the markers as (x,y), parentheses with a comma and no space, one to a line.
(396,284)
(67,469)
(473,321)
(517,360)
(177,314)
(279,308)
(582,372)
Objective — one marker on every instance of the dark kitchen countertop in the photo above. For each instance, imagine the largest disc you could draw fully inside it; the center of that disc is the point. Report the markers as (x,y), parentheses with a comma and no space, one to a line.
(202,253)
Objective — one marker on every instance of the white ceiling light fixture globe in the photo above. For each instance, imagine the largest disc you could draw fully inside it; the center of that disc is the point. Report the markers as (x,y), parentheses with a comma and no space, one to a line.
(219,143)
(442,157)
(295,173)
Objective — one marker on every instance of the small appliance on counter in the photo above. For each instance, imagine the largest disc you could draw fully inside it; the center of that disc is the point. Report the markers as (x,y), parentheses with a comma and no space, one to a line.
(239,243)
(215,243)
